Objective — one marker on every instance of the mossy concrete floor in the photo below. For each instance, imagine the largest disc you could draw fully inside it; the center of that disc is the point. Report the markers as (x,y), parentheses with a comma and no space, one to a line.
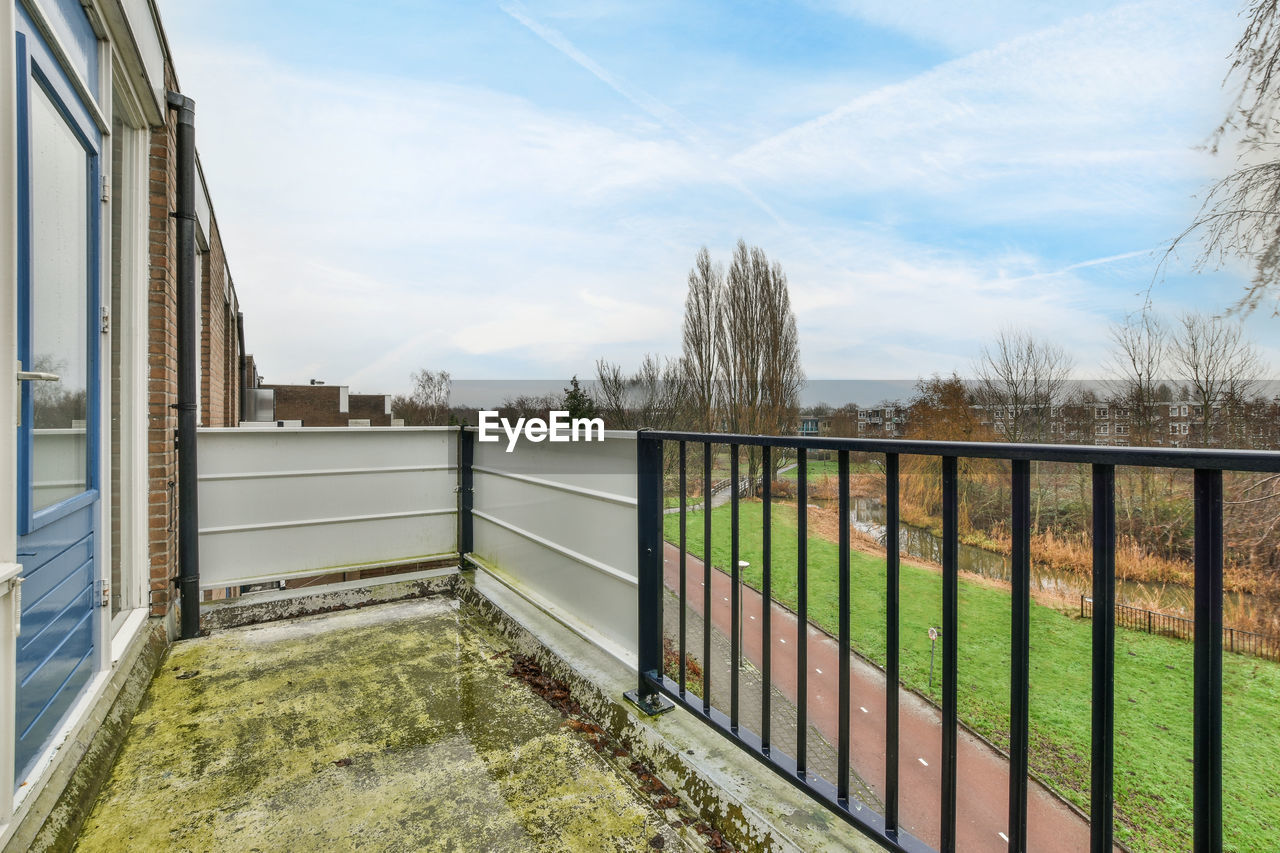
(387,728)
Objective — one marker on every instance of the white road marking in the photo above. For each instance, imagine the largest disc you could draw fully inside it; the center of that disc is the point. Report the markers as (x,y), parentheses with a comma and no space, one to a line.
(815,669)
(1005,837)
(726,599)
(864,710)
(753,617)
(922,761)
(782,639)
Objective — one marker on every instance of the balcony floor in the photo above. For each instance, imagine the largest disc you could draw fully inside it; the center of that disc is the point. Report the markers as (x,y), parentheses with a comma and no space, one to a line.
(393,727)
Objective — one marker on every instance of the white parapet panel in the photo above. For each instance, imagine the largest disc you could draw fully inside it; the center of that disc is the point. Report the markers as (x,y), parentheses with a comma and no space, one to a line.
(298,502)
(557,522)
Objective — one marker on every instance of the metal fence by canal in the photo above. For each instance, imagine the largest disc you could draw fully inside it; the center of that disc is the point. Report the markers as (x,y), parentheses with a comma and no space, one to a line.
(1166,624)
(695,450)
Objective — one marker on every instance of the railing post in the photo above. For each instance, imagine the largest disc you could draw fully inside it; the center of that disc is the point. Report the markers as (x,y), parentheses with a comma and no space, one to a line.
(1207,728)
(1020,654)
(950,643)
(892,640)
(649,576)
(1104,640)
(466,491)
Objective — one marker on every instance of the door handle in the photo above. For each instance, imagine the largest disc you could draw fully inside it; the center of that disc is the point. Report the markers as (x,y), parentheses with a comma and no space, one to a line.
(32,376)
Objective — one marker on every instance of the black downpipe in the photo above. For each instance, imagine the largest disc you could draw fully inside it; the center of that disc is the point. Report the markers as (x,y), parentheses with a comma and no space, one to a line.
(188,352)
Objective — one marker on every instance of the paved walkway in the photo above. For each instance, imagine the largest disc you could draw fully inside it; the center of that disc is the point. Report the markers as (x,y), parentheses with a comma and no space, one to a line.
(782,712)
(982,798)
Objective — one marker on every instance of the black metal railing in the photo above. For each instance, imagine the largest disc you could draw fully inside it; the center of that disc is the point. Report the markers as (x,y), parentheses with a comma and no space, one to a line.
(1208,466)
(1236,640)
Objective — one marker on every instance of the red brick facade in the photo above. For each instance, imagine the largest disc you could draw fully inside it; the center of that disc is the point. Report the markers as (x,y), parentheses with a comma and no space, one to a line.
(314,405)
(219,343)
(372,407)
(220,355)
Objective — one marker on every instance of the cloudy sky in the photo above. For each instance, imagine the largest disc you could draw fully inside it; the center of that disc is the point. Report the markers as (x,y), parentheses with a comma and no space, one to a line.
(513,189)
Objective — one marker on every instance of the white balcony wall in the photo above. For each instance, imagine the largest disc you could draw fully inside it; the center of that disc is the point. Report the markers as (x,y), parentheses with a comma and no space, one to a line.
(287,503)
(59,467)
(557,523)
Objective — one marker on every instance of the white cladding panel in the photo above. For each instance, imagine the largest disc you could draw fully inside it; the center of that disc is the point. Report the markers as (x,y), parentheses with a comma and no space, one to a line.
(308,501)
(558,521)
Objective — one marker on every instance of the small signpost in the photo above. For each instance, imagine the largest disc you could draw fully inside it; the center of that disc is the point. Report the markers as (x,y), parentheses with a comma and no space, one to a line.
(933,644)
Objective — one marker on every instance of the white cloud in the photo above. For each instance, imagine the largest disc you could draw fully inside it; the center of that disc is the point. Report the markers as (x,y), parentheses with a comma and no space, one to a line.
(1082,116)
(968,26)
(376,225)
(359,215)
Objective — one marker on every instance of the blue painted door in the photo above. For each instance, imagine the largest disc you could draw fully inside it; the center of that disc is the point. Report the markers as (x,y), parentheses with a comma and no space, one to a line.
(59,149)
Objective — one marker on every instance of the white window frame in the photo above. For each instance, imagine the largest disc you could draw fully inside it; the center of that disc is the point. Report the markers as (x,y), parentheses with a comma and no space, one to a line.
(132,191)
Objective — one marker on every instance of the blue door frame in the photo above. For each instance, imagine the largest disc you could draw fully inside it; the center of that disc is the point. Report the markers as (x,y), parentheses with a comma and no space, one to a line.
(58,544)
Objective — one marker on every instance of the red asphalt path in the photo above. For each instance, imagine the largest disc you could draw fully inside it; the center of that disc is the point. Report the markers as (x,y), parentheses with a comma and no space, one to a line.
(982,798)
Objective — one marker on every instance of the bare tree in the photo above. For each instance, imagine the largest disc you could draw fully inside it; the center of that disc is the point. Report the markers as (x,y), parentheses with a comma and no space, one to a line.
(428,403)
(611,394)
(1139,349)
(1021,379)
(701,333)
(1240,216)
(656,396)
(1218,366)
(738,344)
(781,376)
(758,349)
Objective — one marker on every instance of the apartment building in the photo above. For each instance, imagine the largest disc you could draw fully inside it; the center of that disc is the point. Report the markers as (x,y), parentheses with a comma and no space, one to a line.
(105,212)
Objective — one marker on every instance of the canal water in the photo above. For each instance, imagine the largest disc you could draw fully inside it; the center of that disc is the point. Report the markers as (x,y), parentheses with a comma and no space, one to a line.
(868,516)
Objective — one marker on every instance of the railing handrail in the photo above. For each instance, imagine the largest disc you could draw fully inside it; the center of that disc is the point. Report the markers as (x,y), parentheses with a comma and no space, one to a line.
(1212,459)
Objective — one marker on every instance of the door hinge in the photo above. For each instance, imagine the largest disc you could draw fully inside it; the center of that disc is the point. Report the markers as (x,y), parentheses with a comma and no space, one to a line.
(106,319)
(15,596)
(104,592)
(106,187)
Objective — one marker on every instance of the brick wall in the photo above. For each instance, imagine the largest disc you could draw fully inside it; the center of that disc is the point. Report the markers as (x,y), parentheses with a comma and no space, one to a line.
(162,375)
(314,405)
(371,406)
(219,345)
(219,352)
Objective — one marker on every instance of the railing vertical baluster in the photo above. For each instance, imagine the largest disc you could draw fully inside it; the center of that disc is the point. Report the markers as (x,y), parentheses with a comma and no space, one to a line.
(802,610)
(950,639)
(683,550)
(1020,655)
(842,740)
(735,627)
(891,642)
(1207,752)
(706,579)
(1104,639)
(766,597)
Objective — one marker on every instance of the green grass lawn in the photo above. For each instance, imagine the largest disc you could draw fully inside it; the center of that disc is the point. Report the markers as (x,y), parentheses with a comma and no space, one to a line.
(819,468)
(1153,686)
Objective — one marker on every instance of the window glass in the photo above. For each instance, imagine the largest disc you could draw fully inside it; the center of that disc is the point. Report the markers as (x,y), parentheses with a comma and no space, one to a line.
(59,304)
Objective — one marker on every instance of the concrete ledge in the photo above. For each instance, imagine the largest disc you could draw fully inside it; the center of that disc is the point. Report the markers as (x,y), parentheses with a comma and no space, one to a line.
(754,808)
(274,605)
(53,819)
